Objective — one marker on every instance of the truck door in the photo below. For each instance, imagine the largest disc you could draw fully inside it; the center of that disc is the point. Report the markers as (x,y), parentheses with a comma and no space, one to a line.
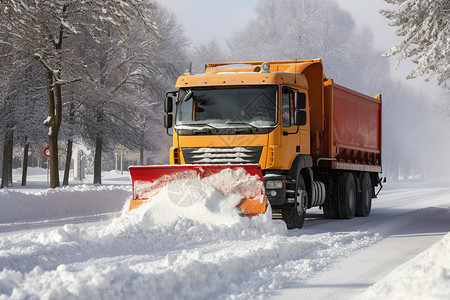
(295,139)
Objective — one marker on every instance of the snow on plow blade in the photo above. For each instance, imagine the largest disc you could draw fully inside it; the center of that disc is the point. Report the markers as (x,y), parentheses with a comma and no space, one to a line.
(243,180)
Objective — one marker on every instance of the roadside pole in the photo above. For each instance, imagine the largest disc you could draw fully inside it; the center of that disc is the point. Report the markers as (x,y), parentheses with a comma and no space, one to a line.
(46,153)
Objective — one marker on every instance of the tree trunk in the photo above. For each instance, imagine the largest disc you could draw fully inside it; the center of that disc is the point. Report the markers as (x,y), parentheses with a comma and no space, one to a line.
(68,161)
(8,144)
(53,122)
(141,156)
(98,160)
(54,167)
(69,140)
(25,162)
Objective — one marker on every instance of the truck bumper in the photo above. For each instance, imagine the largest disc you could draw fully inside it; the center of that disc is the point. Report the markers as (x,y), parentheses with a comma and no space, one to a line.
(275,189)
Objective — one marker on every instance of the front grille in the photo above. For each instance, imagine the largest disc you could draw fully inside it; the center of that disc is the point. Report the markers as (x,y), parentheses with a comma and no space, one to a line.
(222,155)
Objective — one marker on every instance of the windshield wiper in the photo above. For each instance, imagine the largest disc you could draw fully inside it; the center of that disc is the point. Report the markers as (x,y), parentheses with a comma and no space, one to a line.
(243,123)
(195,126)
(210,126)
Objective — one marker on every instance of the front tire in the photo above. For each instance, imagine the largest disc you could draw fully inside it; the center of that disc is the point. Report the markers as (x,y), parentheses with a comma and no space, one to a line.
(293,214)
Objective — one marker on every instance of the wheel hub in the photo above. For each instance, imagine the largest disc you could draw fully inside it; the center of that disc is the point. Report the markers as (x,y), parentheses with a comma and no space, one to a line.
(301,201)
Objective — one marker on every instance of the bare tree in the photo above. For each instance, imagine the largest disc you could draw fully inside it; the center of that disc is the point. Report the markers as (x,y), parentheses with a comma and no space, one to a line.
(128,81)
(43,26)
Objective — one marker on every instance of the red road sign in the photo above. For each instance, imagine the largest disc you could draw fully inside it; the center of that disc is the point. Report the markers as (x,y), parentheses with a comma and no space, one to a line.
(46,151)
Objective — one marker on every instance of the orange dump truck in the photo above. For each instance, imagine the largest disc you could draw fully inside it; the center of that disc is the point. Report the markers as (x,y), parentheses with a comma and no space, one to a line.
(309,141)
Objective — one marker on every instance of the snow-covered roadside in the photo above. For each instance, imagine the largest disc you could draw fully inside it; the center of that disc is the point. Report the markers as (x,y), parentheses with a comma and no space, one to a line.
(82,200)
(37,203)
(427,276)
(37,206)
(403,237)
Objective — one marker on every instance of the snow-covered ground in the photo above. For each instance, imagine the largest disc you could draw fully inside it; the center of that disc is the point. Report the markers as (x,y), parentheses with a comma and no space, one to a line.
(80,242)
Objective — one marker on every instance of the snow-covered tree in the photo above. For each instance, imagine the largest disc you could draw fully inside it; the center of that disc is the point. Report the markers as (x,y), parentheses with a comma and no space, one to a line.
(7,60)
(40,28)
(128,81)
(425,26)
(28,96)
(208,52)
(293,29)
(152,68)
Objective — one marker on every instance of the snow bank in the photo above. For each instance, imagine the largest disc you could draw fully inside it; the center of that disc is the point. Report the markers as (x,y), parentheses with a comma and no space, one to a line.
(427,276)
(66,202)
(60,263)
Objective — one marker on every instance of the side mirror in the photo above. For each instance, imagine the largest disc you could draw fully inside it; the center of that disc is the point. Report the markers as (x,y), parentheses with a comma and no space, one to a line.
(168,120)
(168,104)
(300,118)
(300,100)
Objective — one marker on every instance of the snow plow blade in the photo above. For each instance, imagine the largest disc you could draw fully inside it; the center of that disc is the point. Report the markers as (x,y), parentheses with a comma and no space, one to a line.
(148,181)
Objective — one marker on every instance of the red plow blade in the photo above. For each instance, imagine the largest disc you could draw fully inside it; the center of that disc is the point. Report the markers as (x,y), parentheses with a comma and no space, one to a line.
(149,180)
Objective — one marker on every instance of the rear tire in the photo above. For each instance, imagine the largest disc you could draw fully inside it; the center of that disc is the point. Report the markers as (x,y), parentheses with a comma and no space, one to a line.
(344,194)
(364,199)
(330,209)
(293,214)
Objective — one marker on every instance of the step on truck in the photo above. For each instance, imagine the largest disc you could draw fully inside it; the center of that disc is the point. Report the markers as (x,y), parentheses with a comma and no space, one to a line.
(310,141)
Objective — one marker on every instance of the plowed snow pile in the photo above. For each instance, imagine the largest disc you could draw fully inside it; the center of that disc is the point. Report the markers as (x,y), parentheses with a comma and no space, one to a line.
(208,201)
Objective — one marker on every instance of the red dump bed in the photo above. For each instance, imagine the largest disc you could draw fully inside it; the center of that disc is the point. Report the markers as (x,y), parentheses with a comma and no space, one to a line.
(357,120)
(352,137)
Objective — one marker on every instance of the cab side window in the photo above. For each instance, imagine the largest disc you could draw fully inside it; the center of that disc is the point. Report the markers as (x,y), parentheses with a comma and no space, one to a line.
(287,106)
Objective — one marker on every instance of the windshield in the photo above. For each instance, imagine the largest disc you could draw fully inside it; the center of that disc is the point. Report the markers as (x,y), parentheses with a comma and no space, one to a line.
(227,106)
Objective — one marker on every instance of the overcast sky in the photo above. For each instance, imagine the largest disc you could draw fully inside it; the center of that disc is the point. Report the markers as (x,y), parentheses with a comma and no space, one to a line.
(204,20)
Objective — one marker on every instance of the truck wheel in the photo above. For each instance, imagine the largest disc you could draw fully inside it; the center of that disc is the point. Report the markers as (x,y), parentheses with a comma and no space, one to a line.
(330,209)
(344,195)
(293,214)
(364,199)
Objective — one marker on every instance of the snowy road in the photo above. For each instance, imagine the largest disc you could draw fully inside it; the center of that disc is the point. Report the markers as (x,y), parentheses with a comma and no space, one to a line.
(206,251)
(405,236)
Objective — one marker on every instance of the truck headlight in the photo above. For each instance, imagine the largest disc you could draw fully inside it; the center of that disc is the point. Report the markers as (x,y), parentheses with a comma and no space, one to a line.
(274,184)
